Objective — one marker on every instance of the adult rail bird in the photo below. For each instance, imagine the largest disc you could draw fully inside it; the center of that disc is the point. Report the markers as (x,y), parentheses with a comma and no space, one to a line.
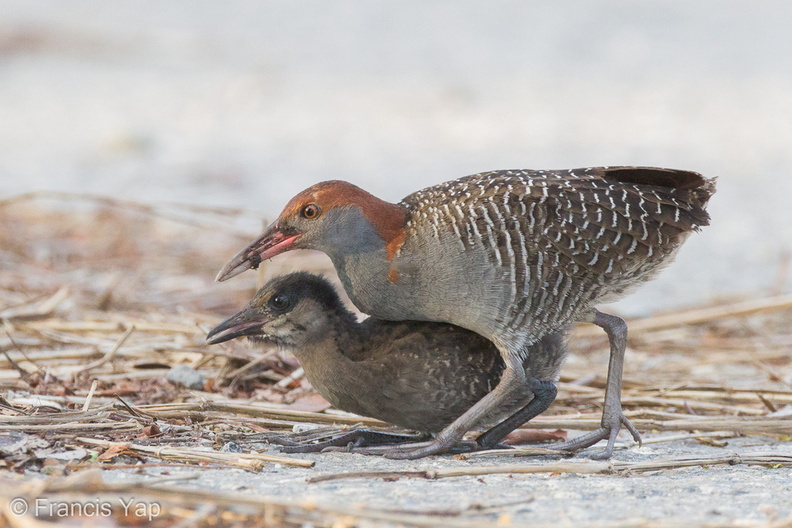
(511,255)
(417,375)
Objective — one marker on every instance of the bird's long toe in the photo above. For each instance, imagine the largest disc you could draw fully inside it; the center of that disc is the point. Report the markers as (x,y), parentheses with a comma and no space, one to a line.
(612,431)
(352,441)
(609,431)
(433,448)
(381,450)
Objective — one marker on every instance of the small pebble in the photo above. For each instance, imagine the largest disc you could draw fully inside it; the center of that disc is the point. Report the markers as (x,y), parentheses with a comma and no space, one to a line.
(231,447)
(302,428)
(184,375)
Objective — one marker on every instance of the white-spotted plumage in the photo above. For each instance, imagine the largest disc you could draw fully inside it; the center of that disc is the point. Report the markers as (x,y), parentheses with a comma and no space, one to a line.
(565,239)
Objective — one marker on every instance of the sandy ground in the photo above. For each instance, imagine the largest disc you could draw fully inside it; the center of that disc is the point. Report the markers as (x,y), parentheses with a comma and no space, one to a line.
(717,495)
(243,104)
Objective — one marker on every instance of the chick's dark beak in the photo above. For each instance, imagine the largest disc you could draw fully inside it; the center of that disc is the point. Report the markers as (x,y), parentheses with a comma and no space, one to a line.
(245,323)
(273,242)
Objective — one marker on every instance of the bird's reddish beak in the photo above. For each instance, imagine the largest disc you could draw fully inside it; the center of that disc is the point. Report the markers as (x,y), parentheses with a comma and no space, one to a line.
(273,242)
(244,323)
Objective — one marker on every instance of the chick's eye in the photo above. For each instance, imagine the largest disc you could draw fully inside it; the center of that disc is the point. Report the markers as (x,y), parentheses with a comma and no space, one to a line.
(279,302)
(310,211)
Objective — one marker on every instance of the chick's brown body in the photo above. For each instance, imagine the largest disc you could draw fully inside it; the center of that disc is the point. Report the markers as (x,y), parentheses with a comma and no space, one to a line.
(417,375)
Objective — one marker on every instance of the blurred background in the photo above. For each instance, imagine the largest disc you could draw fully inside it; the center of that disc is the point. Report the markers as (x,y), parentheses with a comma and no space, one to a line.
(244,103)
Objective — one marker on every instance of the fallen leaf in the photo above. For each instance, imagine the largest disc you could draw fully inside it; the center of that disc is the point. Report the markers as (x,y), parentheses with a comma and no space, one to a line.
(113,451)
(531,436)
(310,403)
(151,431)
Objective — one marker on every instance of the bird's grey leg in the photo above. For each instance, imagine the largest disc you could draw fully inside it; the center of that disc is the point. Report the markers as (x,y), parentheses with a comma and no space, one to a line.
(355,439)
(544,394)
(612,415)
(512,381)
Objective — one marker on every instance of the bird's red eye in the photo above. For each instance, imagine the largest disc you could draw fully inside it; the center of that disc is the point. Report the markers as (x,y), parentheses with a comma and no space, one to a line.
(310,211)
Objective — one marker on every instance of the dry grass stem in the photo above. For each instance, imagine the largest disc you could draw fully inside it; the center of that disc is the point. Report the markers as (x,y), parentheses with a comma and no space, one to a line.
(88,398)
(107,357)
(101,298)
(579,468)
(249,461)
(702,315)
